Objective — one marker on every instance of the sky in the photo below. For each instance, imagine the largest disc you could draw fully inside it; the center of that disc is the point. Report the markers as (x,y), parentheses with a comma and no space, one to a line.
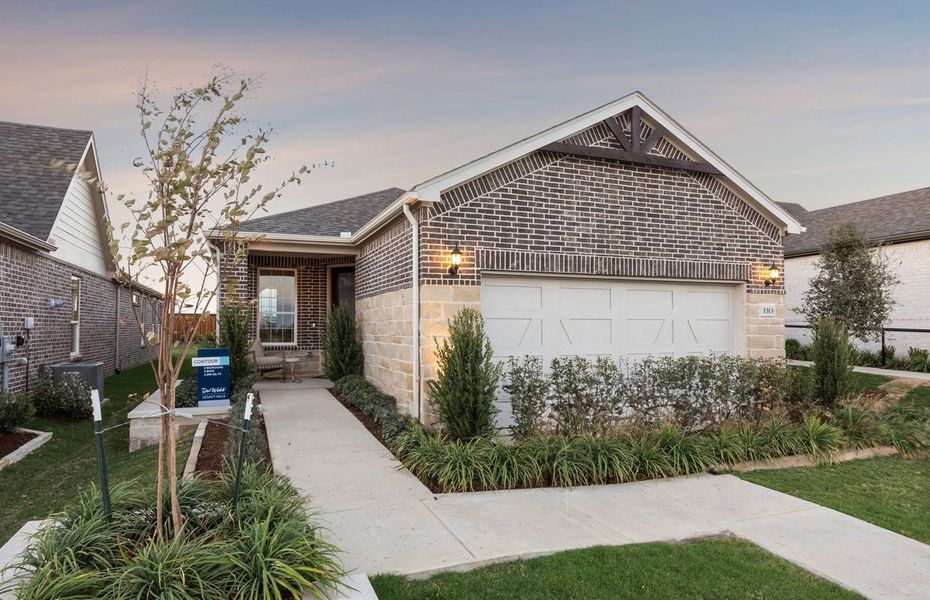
(815,102)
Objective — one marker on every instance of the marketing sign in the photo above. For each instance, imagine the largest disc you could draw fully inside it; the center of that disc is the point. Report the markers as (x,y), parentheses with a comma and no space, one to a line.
(212,366)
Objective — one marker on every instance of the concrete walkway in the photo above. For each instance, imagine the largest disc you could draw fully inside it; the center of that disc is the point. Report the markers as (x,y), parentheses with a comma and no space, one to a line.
(387,521)
(893,373)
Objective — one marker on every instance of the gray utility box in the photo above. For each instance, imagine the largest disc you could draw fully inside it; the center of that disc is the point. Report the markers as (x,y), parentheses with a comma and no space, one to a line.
(90,372)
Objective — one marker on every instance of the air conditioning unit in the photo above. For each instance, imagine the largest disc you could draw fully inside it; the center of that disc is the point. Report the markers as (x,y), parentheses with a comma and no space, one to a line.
(90,372)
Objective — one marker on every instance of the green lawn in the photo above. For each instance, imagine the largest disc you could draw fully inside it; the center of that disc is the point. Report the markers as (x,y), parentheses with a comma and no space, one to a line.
(48,479)
(710,568)
(893,493)
(859,382)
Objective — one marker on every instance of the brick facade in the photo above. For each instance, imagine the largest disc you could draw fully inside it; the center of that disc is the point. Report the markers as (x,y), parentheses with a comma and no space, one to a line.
(29,280)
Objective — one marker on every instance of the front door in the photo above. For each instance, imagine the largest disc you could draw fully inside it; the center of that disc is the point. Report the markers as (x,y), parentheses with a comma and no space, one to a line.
(342,287)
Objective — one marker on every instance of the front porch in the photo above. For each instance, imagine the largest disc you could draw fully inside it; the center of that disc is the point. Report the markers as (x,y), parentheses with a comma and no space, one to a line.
(292,294)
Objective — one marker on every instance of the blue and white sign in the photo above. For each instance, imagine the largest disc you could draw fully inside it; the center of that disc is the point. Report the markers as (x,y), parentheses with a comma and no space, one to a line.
(213,386)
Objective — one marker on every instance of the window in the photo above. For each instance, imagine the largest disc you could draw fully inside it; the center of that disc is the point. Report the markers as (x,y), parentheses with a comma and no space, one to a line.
(277,306)
(75,316)
(342,287)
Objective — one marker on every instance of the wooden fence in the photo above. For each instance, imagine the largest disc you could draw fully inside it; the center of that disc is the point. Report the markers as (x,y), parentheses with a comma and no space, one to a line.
(183,322)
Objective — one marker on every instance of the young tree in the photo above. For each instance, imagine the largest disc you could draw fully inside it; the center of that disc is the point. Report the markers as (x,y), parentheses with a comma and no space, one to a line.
(198,165)
(342,348)
(853,284)
(465,390)
(830,350)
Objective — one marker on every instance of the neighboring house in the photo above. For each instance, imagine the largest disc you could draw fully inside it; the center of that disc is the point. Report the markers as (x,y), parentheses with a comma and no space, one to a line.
(581,240)
(55,264)
(898,222)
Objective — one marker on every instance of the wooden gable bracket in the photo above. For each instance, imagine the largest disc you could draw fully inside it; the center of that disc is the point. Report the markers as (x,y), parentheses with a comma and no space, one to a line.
(635,149)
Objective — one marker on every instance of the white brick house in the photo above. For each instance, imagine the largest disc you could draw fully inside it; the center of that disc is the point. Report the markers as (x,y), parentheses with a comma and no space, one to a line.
(901,224)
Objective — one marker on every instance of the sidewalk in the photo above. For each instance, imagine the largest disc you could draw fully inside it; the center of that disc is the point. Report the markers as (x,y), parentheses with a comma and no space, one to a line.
(893,373)
(387,521)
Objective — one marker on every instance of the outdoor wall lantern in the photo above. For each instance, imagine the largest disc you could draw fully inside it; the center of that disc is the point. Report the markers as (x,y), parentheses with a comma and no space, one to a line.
(456,259)
(774,274)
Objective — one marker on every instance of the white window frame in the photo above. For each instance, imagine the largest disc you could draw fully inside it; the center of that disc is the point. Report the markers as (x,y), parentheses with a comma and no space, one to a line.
(258,302)
(74,326)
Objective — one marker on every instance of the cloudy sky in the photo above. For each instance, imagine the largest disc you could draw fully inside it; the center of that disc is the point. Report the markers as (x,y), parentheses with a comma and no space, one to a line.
(814,102)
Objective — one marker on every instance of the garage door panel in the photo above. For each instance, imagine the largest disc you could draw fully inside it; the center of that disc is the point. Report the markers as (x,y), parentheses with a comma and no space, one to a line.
(649,301)
(575,301)
(511,299)
(515,333)
(710,333)
(587,332)
(709,303)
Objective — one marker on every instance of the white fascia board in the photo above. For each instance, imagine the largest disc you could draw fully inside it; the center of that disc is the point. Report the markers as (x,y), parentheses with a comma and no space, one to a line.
(24,239)
(431,189)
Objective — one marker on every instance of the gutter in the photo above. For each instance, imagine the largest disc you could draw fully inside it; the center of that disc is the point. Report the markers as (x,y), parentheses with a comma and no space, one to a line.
(24,239)
(415,329)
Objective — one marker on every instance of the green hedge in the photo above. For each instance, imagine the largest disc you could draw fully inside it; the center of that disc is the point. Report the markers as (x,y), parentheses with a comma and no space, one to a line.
(916,359)
(357,391)
(15,409)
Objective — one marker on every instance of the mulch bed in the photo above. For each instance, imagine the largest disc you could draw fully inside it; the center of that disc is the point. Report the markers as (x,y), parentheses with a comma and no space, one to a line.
(369,423)
(213,448)
(10,441)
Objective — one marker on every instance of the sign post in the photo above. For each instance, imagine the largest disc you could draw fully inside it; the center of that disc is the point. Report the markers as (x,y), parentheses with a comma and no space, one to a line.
(246,423)
(101,455)
(213,385)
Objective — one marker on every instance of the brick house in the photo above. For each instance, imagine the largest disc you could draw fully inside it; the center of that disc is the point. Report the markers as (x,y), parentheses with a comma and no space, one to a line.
(55,264)
(613,233)
(900,224)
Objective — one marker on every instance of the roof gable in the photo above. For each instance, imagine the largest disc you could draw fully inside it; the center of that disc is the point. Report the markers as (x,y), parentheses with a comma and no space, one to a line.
(691,148)
(31,191)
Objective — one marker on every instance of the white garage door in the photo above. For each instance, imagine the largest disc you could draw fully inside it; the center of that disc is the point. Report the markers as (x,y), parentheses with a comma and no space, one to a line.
(550,317)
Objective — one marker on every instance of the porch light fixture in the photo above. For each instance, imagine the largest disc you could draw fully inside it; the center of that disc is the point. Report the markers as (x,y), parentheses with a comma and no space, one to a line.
(774,274)
(456,259)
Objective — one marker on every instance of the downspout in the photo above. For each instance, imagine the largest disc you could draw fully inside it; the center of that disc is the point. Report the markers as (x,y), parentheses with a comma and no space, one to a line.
(119,296)
(415,282)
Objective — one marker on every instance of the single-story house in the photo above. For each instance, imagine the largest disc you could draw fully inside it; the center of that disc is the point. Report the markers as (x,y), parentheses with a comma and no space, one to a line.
(56,273)
(900,224)
(616,233)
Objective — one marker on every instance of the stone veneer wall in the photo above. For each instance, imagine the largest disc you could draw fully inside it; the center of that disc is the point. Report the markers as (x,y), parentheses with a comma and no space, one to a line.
(386,327)
(28,280)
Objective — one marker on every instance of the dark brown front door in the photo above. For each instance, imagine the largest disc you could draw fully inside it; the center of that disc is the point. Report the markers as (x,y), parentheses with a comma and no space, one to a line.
(342,287)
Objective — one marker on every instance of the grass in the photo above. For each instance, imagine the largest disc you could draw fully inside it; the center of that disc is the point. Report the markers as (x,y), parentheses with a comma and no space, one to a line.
(861,382)
(709,568)
(48,479)
(893,493)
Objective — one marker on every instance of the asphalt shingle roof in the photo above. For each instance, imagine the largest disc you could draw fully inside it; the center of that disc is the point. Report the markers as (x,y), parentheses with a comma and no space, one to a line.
(31,192)
(896,217)
(328,219)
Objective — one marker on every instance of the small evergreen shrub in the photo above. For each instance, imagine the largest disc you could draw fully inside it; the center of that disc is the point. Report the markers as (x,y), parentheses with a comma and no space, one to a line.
(466,388)
(15,408)
(235,325)
(528,389)
(45,394)
(342,348)
(918,360)
(357,391)
(830,351)
(795,350)
(185,394)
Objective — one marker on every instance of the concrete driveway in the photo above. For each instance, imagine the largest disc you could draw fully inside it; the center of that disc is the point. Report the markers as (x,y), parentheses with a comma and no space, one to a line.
(387,521)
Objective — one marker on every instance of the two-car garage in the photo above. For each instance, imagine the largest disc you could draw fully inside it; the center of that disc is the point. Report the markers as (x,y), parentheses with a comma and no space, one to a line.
(553,316)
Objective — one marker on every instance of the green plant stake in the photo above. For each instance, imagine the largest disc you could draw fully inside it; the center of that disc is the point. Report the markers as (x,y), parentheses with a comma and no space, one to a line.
(246,421)
(101,455)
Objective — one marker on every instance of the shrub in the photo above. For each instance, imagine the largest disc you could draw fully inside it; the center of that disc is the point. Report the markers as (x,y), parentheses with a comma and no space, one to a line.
(185,394)
(342,348)
(269,548)
(45,394)
(830,351)
(15,408)
(528,389)
(356,391)
(74,396)
(235,328)
(465,390)
(255,441)
(795,350)
(918,360)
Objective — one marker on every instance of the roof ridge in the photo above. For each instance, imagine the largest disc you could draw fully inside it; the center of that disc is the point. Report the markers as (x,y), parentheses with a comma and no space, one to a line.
(49,127)
(864,200)
(331,202)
